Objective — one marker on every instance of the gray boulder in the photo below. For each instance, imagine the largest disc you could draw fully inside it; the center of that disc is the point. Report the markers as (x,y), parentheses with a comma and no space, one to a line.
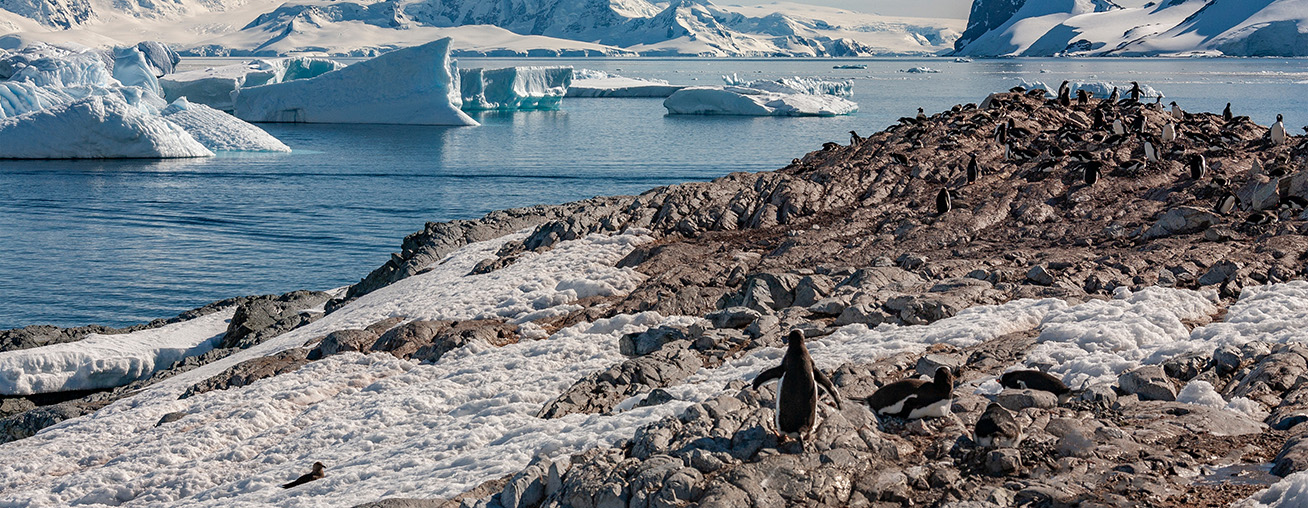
(1149,382)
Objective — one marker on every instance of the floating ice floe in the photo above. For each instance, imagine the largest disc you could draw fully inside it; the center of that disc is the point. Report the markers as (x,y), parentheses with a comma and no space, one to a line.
(106,361)
(850,66)
(213,86)
(592,83)
(96,127)
(1098,89)
(220,131)
(843,88)
(514,88)
(920,70)
(412,86)
(742,101)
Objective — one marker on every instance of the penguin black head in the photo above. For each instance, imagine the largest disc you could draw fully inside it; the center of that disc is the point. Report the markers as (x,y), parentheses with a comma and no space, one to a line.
(795,337)
(1278,117)
(318,467)
(944,377)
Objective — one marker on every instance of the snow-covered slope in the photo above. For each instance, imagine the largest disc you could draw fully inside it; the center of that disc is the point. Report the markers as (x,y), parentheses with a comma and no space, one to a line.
(479,27)
(1099,27)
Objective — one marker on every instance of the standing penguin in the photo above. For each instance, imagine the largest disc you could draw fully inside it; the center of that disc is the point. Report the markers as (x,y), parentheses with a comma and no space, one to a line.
(1169,132)
(854,138)
(1082,97)
(943,202)
(1135,91)
(1112,97)
(1001,133)
(997,428)
(1226,113)
(797,384)
(1198,166)
(921,114)
(973,170)
(1177,112)
(1091,172)
(1138,125)
(1118,128)
(1278,131)
(1150,151)
(1064,94)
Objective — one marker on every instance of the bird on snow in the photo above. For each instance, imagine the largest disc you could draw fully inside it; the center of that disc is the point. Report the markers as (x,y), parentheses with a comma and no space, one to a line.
(1277,132)
(316,474)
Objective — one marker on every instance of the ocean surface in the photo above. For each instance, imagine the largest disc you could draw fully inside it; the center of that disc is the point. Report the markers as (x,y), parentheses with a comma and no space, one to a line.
(121,242)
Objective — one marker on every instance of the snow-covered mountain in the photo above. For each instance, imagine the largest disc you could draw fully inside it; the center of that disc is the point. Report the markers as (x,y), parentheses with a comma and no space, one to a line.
(492,27)
(1106,28)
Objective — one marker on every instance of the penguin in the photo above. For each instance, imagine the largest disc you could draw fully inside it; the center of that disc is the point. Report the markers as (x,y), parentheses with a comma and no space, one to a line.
(1198,166)
(1135,166)
(1091,172)
(916,398)
(1226,113)
(1035,380)
(1261,217)
(1118,128)
(797,388)
(1082,156)
(921,114)
(943,202)
(1082,97)
(854,138)
(1151,153)
(1225,203)
(1064,94)
(997,429)
(1112,97)
(1100,121)
(1177,112)
(973,170)
(1169,132)
(1001,133)
(1158,103)
(1277,132)
(1138,125)
(1135,91)
(829,146)
(316,474)
(900,158)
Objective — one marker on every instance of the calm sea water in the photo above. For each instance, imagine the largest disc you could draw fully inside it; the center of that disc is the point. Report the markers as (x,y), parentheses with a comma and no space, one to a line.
(119,242)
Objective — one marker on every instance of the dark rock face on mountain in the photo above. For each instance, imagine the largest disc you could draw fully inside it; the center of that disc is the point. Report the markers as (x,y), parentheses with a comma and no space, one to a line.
(986,15)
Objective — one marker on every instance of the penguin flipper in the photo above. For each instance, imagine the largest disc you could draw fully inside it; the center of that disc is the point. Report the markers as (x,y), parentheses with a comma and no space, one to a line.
(826,385)
(769,375)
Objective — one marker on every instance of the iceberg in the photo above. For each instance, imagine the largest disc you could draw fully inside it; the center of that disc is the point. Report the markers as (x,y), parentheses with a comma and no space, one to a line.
(795,85)
(213,86)
(96,127)
(514,88)
(217,130)
(1098,89)
(132,69)
(592,83)
(753,102)
(413,86)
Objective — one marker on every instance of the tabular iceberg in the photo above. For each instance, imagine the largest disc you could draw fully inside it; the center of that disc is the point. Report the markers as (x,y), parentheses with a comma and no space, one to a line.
(96,127)
(213,87)
(514,88)
(592,83)
(220,131)
(413,86)
(795,85)
(753,102)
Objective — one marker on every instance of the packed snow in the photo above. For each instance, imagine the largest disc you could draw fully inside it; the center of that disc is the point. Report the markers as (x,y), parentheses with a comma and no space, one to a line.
(107,361)
(414,86)
(514,88)
(213,86)
(794,85)
(733,100)
(1291,492)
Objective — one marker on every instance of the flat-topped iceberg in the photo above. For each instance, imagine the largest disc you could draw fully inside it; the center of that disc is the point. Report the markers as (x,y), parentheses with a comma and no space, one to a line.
(514,88)
(793,85)
(753,102)
(96,127)
(413,86)
(213,86)
(592,83)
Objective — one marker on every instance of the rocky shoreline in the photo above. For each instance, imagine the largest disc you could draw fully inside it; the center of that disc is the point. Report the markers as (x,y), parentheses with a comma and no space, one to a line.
(851,235)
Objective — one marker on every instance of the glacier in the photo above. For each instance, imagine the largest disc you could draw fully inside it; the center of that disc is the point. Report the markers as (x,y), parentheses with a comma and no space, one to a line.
(732,100)
(794,85)
(414,86)
(213,86)
(514,88)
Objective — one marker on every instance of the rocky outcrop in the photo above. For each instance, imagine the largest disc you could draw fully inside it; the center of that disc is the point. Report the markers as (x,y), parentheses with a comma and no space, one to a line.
(250,371)
(602,391)
(263,317)
(44,335)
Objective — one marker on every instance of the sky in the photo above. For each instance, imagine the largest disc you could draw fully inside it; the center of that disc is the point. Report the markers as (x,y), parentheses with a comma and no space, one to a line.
(917,8)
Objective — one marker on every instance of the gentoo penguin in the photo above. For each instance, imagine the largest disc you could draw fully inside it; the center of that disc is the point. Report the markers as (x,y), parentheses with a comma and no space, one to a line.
(1198,166)
(1278,131)
(1135,91)
(1118,128)
(1261,217)
(1138,125)
(973,170)
(1151,153)
(1035,380)
(1169,132)
(797,384)
(900,158)
(915,398)
(1100,122)
(317,474)
(1135,165)
(1112,97)
(1001,133)
(1177,113)
(943,202)
(1225,203)
(997,429)
(1082,97)
(1091,172)
(1082,156)
(1064,94)
(921,114)
(1226,113)
(854,138)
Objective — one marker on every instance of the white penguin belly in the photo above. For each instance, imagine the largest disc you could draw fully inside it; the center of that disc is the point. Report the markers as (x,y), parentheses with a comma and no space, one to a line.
(896,407)
(938,409)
